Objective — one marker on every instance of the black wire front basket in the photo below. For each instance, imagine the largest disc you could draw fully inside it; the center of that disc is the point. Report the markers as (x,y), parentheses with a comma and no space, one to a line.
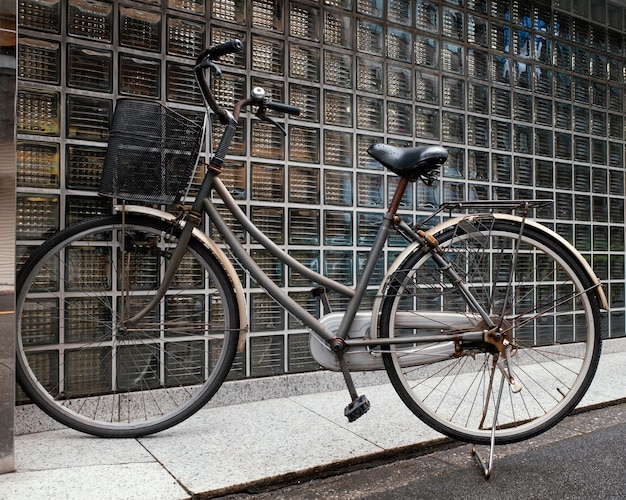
(152,153)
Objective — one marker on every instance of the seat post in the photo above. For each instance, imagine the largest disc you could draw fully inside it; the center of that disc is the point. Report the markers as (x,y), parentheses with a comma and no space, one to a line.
(397,196)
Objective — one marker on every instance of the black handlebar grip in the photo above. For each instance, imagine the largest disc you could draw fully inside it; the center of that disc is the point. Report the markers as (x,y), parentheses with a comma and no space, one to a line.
(224,48)
(283,108)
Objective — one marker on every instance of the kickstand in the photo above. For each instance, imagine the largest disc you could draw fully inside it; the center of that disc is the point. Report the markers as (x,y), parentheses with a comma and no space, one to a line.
(488,467)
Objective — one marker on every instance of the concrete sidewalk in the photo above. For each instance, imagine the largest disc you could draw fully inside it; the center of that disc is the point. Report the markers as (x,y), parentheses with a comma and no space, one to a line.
(227,448)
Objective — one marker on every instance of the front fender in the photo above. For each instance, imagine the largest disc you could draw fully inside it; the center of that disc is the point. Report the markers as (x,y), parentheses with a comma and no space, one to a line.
(602,300)
(217,252)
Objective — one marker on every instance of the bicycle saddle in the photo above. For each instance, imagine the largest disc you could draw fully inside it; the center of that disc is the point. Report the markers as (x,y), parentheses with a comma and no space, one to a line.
(410,163)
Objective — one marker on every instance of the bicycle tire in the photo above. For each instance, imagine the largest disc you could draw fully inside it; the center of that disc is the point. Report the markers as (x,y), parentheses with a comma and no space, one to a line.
(552,319)
(76,362)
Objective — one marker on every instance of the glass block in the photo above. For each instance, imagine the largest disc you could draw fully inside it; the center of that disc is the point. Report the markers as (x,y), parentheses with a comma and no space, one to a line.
(337,228)
(599,152)
(338,188)
(452,58)
(88,117)
(304,226)
(181,85)
(400,11)
(599,94)
(89,69)
(41,15)
(337,29)
(478,98)
(477,31)
(544,173)
(616,154)
(304,21)
(369,115)
(501,135)
(337,148)
(310,259)
(39,61)
(501,69)
(372,8)
(37,216)
(298,350)
(270,265)
(265,315)
(337,69)
(616,211)
(270,220)
(83,166)
(426,15)
(453,95)
(268,182)
(228,10)
(615,42)
(544,143)
(616,126)
(40,323)
(582,90)
(522,77)
(452,23)
(477,131)
(304,63)
(80,208)
(399,82)
(37,164)
(234,225)
(369,75)
(580,27)
(274,91)
(399,118)
(426,123)
(38,112)
(184,37)
(140,29)
(221,34)
(523,138)
(599,66)
(399,45)
(582,149)
(267,55)
(523,171)
(92,19)
(581,119)
(598,123)
(478,165)
(304,144)
(477,64)
(304,185)
(370,190)
(338,108)
(501,170)
(367,228)
(523,107)
(427,197)
(426,52)
(369,37)
(452,127)
(615,71)
(268,15)
(338,265)
(582,212)
(190,6)
(307,99)
(615,98)
(267,353)
(426,87)
(87,371)
(139,76)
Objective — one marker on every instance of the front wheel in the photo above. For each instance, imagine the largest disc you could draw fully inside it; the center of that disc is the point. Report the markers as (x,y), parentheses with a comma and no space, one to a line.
(79,360)
(534,290)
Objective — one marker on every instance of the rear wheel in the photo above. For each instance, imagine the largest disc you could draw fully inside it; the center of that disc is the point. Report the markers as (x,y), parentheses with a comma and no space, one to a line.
(78,360)
(546,306)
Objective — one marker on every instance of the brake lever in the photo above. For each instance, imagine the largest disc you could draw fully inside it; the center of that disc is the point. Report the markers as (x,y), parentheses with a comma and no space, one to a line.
(260,114)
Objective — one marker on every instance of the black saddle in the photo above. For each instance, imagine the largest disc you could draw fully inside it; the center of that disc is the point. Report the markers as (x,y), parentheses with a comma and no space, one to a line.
(410,163)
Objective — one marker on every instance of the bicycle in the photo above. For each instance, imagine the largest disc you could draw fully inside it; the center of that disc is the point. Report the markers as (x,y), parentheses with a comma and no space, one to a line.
(488,324)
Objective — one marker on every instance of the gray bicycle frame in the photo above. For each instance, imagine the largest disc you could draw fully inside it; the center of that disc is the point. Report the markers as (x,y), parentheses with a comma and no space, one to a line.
(355,294)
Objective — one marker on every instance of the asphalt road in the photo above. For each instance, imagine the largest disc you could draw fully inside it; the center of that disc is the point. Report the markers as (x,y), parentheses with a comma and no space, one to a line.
(583,457)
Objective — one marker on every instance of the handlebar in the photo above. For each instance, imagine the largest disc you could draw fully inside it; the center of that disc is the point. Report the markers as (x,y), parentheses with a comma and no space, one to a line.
(207,60)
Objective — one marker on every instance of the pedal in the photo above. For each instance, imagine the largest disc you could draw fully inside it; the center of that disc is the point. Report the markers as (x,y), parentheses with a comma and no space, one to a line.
(357,408)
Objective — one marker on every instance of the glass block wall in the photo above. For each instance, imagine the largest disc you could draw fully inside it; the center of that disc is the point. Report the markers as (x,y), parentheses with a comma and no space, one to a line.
(527,96)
